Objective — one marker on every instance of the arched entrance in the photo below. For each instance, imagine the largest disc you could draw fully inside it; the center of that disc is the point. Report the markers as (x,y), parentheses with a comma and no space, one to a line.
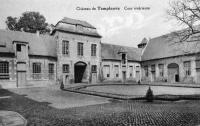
(79,69)
(173,72)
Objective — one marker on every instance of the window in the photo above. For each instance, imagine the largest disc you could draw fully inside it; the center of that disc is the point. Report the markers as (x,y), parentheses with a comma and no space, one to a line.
(106,71)
(137,68)
(130,71)
(146,71)
(153,68)
(161,69)
(65,47)
(94,68)
(65,68)
(18,46)
(36,67)
(37,71)
(51,71)
(4,70)
(187,68)
(93,49)
(123,58)
(197,64)
(116,70)
(80,49)
(51,68)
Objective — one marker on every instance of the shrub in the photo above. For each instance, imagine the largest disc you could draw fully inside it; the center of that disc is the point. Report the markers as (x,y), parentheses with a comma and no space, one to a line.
(149,95)
(61,85)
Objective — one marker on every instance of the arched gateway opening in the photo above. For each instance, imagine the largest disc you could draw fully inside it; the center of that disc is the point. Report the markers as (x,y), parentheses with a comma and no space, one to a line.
(173,72)
(79,69)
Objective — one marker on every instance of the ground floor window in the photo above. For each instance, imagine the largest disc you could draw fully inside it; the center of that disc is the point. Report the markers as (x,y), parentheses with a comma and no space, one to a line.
(161,69)
(94,68)
(65,68)
(187,68)
(37,71)
(130,71)
(146,71)
(4,70)
(51,71)
(106,71)
(116,70)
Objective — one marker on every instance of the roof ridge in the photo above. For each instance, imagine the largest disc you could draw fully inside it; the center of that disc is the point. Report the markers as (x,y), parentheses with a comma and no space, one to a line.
(120,45)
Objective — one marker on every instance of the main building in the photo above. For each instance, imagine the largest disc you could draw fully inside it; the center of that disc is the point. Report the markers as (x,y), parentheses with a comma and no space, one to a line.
(74,53)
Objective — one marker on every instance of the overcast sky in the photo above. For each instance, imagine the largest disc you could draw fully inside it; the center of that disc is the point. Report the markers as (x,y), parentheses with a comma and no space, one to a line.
(123,27)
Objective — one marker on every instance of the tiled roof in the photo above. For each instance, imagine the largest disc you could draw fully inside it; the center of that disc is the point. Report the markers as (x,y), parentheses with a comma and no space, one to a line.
(169,46)
(88,30)
(109,51)
(43,45)
(75,22)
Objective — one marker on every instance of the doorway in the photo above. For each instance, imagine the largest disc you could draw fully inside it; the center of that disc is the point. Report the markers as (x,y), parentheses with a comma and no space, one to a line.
(79,70)
(124,76)
(173,73)
(21,78)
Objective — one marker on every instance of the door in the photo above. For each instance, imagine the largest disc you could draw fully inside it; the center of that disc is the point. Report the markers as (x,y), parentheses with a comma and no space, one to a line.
(124,76)
(21,79)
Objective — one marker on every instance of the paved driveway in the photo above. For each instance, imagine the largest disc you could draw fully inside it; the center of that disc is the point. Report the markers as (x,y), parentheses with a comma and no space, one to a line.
(59,99)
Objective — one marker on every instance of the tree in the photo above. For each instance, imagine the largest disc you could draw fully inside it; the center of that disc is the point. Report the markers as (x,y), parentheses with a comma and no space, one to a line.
(186,13)
(28,22)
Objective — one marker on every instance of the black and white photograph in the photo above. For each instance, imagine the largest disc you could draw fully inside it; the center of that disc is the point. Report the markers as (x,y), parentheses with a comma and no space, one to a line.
(99,62)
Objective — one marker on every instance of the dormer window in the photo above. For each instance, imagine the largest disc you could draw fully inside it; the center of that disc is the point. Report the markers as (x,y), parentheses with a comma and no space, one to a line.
(18,47)
(123,58)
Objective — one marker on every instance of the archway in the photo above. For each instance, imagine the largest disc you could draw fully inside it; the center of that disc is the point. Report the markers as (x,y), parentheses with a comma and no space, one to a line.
(173,72)
(79,69)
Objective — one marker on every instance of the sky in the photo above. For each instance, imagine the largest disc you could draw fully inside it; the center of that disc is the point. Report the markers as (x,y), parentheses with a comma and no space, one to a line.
(121,27)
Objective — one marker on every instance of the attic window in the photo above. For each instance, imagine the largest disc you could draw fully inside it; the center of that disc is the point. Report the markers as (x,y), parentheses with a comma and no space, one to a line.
(123,58)
(18,47)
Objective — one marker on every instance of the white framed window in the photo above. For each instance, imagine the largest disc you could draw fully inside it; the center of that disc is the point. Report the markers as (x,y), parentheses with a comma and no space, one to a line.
(106,71)
(65,68)
(93,49)
(187,68)
(51,71)
(65,47)
(37,70)
(116,70)
(146,71)
(4,70)
(80,49)
(161,69)
(94,68)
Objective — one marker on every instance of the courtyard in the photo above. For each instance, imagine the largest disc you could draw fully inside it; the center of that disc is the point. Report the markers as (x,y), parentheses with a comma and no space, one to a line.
(52,106)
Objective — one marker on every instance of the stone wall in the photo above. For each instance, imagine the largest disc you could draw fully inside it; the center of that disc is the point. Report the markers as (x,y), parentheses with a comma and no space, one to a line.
(179,60)
(73,58)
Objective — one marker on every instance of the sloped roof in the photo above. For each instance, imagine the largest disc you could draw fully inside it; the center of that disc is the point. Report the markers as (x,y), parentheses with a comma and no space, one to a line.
(43,45)
(75,22)
(91,32)
(169,46)
(109,51)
